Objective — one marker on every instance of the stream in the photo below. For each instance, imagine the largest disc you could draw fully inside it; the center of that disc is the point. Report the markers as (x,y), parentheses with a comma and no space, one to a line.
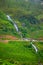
(35,48)
(17,29)
(15,25)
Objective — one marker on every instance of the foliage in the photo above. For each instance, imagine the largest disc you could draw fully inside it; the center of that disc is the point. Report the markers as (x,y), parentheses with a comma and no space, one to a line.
(20,52)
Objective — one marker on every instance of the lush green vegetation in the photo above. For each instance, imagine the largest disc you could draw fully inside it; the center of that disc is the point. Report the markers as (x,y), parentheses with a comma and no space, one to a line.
(20,53)
(6,28)
(28,25)
(27,15)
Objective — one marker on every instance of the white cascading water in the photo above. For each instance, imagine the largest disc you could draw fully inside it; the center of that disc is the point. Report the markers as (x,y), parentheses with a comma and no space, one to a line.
(9,18)
(34,47)
(35,50)
(15,25)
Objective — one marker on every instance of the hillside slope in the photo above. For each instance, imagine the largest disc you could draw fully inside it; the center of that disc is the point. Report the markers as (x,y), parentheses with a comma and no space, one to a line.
(28,15)
(6,28)
(21,53)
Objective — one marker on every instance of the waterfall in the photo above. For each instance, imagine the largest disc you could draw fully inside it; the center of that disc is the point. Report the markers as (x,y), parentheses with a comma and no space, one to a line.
(16,27)
(9,18)
(36,51)
(34,47)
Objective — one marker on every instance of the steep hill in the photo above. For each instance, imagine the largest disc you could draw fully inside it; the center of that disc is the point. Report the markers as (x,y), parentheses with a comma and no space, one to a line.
(6,28)
(27,14)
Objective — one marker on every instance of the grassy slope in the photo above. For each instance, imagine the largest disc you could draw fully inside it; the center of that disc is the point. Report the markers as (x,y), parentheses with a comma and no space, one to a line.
(25,14)
(20,53)
(24,21)
(6,28)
